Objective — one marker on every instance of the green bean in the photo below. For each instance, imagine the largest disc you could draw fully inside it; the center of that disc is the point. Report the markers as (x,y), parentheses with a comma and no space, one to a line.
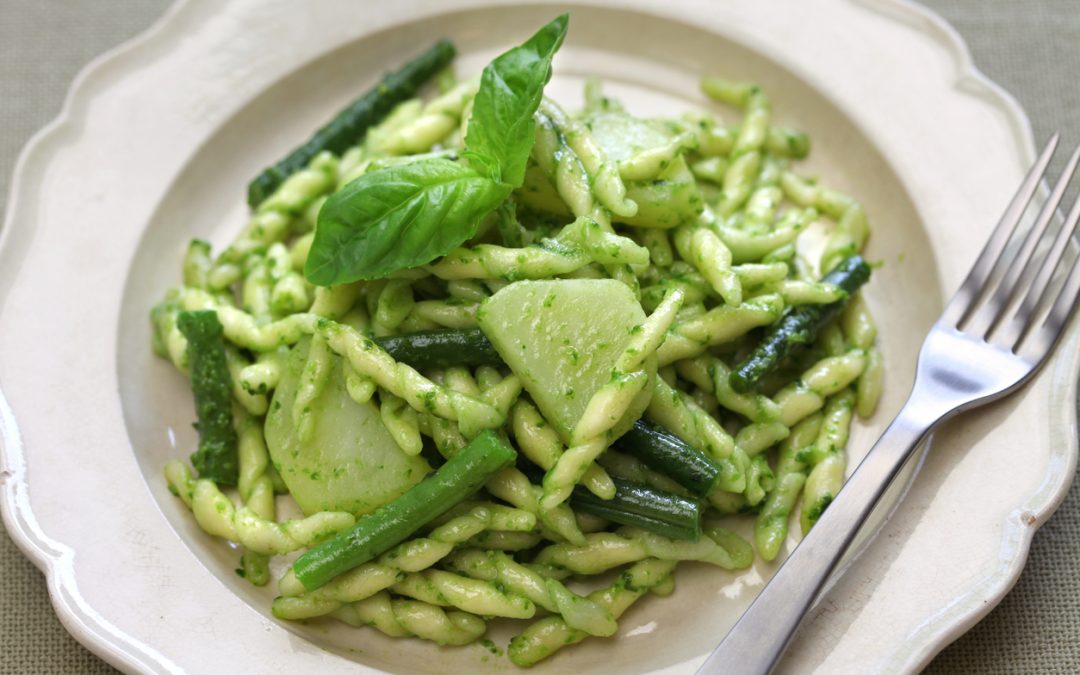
(462,475)
(674,411)
(211,385)
(667,514)
(667,453)
(348,126)
(799,326)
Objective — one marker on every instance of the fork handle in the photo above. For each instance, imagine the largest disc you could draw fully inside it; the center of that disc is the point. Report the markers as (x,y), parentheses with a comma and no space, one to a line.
(758,640)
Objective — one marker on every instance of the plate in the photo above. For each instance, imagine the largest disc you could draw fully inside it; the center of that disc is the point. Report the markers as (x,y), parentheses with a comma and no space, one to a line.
(155,145)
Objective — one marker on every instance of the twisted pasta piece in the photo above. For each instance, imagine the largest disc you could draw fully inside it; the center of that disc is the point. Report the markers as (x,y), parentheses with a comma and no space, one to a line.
(753,246)
(253,402)
(301,188)
(402,422)
(606,550)
(713,375)
(827,458)
(547,259)
(738,182)
(680,415)
(648,164)
(763,201)
(705,250)
(860,331)
(395,302)
(218,516)
(608,405)
(409,557)
(446,313)
(602,175)
(262,376)
(497,567)
(547,636)
(404,618)
(826,377)
(691,337)
(602,245)
(800,292)
(256,490)
(368,359)
(243,330)
(334,302)
(289,293)
(437,119)
(197,264)
(438,587)
(510,484)
(771,525)
(851,230)
(540,443)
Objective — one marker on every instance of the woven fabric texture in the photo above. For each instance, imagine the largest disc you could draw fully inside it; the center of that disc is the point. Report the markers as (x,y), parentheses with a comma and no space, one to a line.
(1031,48)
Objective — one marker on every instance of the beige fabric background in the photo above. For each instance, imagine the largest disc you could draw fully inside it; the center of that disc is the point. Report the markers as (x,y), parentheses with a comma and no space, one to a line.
(1031,48)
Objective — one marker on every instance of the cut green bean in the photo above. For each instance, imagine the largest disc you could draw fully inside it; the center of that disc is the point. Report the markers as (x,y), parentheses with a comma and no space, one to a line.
(211,385)
(669,515)
(799,326)
(667,453)
(441,348)
(350,124)
(464,474)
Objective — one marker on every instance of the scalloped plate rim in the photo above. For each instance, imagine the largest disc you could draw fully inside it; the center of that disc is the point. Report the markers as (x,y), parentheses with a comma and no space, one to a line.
(98,635)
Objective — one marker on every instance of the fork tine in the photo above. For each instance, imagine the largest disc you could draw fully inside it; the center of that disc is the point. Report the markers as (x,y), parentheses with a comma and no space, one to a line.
(1011,334)
(969,290)
(1037,344)
(1018,264)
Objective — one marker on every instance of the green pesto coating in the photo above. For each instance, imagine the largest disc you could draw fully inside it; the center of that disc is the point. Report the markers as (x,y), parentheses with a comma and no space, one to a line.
(349,125)
(442,348)
(799,326)
(665,452)
(664,513)
(216,457)
(461,476)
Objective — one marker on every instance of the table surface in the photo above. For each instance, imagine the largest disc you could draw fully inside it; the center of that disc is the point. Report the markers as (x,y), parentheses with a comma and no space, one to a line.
(1030,48)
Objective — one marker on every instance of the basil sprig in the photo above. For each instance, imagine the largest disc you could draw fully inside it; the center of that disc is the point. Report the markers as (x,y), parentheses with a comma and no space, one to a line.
(407,215)
(502,127)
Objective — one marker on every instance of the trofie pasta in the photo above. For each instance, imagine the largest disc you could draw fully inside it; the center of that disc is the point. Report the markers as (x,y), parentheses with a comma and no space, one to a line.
(490,345)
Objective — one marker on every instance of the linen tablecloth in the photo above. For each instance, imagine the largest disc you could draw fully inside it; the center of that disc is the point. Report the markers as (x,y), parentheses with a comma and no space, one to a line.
(1030,48)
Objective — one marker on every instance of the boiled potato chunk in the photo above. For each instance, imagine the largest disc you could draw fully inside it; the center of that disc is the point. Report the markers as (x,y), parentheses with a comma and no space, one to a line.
(562,338)
(349,462)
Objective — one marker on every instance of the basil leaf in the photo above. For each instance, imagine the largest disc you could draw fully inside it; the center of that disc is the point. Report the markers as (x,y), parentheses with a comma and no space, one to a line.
(502,127)
(398,217)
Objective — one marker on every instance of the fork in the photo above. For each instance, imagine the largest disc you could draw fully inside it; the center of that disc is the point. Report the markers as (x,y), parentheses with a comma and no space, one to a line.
(994,334)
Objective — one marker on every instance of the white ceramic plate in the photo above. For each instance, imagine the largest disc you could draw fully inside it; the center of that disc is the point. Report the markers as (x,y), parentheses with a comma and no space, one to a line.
(155,145)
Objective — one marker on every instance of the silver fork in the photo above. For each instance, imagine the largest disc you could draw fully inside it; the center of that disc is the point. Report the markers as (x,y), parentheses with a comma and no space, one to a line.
(994,335)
